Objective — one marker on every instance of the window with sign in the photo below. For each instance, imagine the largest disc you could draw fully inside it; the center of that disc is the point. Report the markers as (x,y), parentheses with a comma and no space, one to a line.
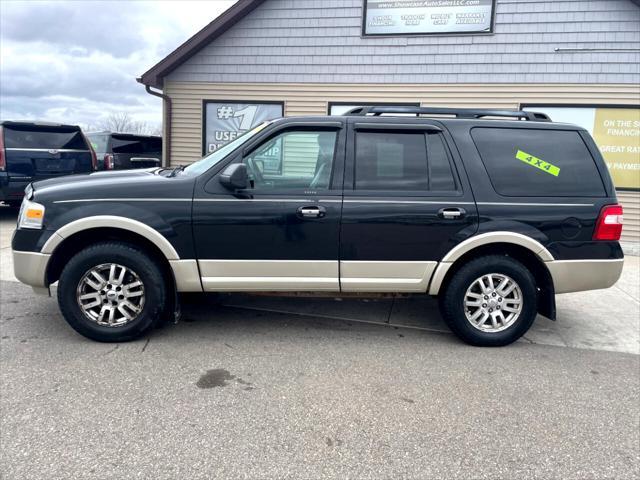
(293,160)
(223,122)
(616,131)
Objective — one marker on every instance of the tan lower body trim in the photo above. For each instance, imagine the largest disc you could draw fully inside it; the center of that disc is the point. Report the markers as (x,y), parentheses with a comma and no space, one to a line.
(367,276)
(31,267)
(186,275)
(568,275)
(578,275)
(269,275)
(438,277)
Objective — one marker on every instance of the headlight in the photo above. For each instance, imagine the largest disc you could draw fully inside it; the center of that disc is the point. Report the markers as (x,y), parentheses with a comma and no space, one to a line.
(31,215)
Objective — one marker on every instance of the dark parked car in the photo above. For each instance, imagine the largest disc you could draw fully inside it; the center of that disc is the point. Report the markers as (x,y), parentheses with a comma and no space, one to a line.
(121,151)
(31,151)
(492,211)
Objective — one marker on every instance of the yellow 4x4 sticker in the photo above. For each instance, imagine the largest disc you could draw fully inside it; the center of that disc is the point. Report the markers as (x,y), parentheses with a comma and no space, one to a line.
(538,163)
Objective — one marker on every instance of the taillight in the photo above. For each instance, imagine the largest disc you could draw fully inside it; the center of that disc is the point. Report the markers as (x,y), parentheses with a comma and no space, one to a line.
(108,161)
(3,161)
(609,224)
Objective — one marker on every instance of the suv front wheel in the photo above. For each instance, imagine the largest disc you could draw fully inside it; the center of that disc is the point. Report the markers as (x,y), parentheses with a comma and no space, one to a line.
(112,292)
(490,301)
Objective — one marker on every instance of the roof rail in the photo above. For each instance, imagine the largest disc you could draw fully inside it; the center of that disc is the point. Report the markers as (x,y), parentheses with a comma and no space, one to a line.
(469,113)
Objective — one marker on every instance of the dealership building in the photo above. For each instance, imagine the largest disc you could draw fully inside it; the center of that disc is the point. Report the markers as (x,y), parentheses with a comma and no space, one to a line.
(577,60)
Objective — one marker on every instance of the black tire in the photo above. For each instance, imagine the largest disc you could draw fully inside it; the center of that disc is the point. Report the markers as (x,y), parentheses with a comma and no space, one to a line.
(130,256)
(452,300)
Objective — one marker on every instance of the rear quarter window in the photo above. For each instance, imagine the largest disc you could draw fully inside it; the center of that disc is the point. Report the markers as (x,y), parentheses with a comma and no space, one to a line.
(526,162)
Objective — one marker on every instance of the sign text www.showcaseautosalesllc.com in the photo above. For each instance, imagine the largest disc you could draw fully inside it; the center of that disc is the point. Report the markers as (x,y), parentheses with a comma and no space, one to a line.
(402,17)
(224,121)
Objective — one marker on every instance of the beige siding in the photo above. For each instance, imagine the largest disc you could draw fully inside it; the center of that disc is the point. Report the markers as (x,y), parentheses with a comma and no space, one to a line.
(630,202)
(300,155)
(313,99)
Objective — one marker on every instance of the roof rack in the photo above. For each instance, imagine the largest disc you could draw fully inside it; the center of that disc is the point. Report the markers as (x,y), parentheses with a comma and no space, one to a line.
(469,113)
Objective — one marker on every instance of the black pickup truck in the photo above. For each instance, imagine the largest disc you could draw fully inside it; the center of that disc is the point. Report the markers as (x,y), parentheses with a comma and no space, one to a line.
(123,151)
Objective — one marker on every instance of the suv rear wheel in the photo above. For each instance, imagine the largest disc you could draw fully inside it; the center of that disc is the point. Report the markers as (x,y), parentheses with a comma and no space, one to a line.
(490,301)
(112,292)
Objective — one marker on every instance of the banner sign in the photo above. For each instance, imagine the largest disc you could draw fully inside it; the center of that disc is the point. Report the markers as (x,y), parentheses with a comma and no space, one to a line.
(424,17)
(225,121)
(616,131)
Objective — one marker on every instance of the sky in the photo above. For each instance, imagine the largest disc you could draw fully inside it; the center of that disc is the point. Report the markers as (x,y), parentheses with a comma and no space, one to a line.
(77,61)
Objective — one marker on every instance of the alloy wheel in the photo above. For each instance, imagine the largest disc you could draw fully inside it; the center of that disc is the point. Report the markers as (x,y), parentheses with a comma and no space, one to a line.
(111,295)
(493,302)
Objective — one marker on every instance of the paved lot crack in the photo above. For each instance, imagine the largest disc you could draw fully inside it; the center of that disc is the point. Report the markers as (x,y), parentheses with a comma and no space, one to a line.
(111,351)
(393,302)
(528,340)
(627,294)
(332,317)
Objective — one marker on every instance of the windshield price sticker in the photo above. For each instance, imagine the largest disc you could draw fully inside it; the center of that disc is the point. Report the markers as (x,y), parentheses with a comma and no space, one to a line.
(538,163)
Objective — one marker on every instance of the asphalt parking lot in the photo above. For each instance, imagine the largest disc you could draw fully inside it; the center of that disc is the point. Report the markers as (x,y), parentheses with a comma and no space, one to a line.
(256,387)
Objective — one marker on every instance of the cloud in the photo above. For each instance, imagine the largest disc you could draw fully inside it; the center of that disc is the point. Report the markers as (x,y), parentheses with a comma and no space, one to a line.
(76,62)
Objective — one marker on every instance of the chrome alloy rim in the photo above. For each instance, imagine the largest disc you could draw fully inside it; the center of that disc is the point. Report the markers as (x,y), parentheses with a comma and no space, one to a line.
(493,302)
(110,295)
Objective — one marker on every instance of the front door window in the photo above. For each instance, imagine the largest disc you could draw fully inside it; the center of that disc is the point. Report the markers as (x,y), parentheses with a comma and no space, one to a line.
(293,160)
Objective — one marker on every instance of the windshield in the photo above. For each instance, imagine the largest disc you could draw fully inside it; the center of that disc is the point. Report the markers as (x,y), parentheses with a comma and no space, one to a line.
(209,161)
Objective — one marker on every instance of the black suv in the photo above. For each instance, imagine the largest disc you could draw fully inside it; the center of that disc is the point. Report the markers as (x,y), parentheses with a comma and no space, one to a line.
(493,216)
(118,151)
(31,151)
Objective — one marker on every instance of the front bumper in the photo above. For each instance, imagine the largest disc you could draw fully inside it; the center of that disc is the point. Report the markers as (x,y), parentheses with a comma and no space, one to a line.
(31,268)
(578,275)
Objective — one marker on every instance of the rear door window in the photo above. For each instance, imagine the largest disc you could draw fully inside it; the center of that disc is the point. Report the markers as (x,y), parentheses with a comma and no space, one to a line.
(540,163)
(49,138)
(411,161)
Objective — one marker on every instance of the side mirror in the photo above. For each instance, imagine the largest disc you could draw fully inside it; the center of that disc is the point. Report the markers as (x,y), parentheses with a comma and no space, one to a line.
(235,177)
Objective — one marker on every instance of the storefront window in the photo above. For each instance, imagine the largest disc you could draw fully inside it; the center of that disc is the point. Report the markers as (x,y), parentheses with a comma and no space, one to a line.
(226,121)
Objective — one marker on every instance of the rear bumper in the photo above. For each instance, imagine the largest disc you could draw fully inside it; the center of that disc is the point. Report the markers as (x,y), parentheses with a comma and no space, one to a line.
(31,268)
(12,189)
(578,275)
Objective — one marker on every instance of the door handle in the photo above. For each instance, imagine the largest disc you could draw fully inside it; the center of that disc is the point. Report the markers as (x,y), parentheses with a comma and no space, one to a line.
(312,212)
(451,213)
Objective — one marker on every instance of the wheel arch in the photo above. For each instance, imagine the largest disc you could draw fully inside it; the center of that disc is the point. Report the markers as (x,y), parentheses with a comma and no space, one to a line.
(141,230)
(529,252)
(66,247)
